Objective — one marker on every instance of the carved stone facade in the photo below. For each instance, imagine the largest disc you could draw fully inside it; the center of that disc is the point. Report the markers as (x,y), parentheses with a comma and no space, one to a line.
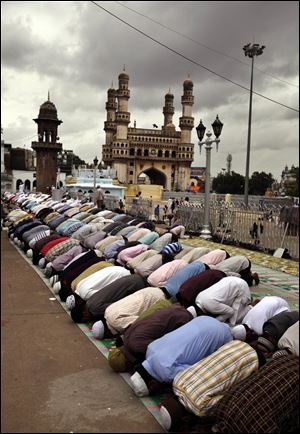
(47,147)
(164,155)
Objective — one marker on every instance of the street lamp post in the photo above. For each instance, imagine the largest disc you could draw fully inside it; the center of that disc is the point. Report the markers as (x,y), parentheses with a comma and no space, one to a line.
(95,168)
(250,51)
(217,129)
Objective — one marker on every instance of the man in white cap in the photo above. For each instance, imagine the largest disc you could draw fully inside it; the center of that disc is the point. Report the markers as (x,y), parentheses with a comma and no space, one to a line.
(121,314)
(227,300)
(177,350)
(261,311)
(198,388)
(142,332)
(289,341)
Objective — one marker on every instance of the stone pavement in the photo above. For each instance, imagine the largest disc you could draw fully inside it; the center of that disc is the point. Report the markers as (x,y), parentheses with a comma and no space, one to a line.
(53,379)
(53,375)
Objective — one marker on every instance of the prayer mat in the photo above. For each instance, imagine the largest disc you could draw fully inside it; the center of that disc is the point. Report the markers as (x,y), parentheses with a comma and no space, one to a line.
(272,282)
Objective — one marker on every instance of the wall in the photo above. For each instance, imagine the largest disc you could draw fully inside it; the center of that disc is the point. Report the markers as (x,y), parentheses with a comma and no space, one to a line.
(147,190)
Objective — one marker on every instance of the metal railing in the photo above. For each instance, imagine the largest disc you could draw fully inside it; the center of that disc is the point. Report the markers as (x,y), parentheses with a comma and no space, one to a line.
(231,223)
(234,224)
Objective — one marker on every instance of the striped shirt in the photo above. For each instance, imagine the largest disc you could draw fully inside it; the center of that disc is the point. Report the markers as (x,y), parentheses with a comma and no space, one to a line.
(171,249)
(60,249)
(38,237)
(266,402)
(201,386)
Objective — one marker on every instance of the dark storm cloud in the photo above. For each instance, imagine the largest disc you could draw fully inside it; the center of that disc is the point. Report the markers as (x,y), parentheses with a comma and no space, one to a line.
(83,50)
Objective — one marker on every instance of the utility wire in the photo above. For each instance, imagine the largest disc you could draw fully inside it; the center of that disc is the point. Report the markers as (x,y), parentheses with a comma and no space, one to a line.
(190,60)
(203,45)
(25,138)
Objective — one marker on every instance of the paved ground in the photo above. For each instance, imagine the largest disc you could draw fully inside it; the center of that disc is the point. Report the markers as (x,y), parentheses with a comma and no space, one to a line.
(54,376)
(53,379)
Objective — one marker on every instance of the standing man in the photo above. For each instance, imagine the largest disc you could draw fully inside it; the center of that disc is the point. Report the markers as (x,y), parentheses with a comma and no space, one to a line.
(99,197)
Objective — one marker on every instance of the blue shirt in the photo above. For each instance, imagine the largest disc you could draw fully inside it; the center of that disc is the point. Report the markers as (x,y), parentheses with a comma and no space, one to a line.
(184,347)
(174,283)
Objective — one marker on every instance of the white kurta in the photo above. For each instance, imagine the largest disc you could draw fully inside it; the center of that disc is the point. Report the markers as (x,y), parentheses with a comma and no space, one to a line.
(96,281)
(264,310)
(228,299)
(290,339)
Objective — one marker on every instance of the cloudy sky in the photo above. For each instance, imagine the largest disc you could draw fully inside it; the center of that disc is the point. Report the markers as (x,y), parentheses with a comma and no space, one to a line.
(75,50)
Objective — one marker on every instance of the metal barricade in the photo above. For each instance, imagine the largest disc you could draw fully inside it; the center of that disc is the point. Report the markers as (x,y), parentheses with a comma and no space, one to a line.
(233,224)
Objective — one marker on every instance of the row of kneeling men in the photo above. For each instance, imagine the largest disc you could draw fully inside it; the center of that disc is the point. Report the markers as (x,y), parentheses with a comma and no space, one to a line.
(183,318)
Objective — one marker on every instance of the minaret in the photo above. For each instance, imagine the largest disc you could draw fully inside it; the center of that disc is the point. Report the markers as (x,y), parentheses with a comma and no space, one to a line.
(229,160)
(186,121)
(46,147)
(168,109)
(186,124)
(111,107)
(122,114)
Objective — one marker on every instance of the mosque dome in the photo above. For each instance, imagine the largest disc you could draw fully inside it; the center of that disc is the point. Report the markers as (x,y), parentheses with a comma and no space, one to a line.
(169,95)
(188,84)
(48,110)
(123,76)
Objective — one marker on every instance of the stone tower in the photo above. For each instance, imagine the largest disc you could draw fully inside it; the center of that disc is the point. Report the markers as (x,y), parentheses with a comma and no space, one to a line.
(47,146)
(186,124)
(168,110)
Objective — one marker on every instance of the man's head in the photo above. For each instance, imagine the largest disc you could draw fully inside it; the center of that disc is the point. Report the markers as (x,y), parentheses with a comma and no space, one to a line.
(118,361)
(243,333)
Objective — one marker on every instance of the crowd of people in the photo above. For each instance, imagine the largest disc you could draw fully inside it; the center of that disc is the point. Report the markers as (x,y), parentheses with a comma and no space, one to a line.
(182,319)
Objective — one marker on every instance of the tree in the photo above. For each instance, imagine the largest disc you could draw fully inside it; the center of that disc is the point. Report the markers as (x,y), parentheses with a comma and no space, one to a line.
(293,189)
(229,183)
(259,182)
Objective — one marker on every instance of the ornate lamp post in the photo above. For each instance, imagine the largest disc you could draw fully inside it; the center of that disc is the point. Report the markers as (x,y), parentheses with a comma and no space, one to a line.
(95,168)
(217,129)
(250,51)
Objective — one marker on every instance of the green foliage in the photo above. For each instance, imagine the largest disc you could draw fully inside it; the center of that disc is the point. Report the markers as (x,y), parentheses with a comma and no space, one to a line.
(293,190)
(259,182)
(233,183)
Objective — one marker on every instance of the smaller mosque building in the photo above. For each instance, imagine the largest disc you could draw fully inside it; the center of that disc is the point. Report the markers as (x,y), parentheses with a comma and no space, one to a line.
(164,155)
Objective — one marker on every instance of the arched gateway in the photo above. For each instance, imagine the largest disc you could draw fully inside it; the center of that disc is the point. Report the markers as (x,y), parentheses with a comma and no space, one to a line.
(156,177)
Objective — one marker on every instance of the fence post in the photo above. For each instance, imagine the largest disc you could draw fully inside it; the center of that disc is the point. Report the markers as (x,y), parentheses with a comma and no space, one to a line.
(283,238)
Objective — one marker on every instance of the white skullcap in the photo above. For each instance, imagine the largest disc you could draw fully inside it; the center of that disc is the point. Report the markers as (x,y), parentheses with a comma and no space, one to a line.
(239,332)
(138,384)
(15,240)
(98,330)
(11,236)
(29,253)
(192,310)
(56,287)
(70,302)
(32,243)
(42,262)
(165,418)
(55,279)
(49,265)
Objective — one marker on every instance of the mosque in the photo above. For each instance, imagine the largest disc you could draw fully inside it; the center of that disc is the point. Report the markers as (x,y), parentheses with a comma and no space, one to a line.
(163,155)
